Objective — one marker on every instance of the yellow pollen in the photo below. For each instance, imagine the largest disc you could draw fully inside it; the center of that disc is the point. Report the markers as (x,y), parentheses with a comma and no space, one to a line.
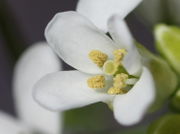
(96,82)
(98,57)
(114,91)
(119,84)
(119,55)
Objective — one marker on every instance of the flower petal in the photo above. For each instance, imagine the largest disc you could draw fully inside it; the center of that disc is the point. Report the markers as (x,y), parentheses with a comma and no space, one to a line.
(9,125)
(66,90)
(73,37)
(99,11)
(123,38)
(131,107)
(120,32)
(36,62)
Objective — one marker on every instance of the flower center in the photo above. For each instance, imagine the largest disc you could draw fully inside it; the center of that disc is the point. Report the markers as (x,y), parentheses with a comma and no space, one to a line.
(112,68)
(119,84)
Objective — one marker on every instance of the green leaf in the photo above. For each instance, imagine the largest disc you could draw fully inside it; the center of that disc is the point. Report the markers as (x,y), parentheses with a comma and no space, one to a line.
(139,130)
(175,103)
(165,79)
(93,119)
(169,124)
(168,44)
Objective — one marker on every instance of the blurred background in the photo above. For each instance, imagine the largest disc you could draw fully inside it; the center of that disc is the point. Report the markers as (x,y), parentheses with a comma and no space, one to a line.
(22,23)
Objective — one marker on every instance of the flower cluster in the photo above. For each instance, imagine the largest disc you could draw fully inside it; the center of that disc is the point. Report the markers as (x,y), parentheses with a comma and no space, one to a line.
(109,67)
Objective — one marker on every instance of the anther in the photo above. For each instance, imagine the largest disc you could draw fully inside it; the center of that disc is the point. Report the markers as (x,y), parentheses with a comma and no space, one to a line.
(98,57)
(114,91)
(119,84)
(96,82)
(119,55)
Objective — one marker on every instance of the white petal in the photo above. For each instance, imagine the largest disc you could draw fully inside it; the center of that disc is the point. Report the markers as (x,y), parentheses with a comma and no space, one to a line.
(73,37)
(120,32)
(9,125)
(131,107)
(123,38)
(36,62)
(66,90)
(99,11)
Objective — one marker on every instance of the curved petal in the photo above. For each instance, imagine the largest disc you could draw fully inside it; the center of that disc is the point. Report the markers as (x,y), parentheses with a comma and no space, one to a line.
(99,11)
(131,107)
(120,32)
(123,38)
(72,36)
(9,125)
(36,62)
(66,90)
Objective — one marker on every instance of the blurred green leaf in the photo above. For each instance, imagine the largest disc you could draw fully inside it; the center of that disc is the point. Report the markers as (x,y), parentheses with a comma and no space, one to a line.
(140,130)
(93,119)
(175,103)
(168,44)
(165,79)
(169,124)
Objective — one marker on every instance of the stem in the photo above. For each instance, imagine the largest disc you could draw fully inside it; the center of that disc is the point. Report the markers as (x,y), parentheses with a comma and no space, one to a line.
(10,31)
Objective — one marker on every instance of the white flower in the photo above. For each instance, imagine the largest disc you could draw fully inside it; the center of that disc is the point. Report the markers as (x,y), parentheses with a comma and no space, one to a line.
(35,63)
(9,125)
(99,11)
(82,45)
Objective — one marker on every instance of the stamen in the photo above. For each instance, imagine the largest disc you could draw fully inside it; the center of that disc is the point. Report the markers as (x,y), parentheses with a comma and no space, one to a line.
(114,91)
(119,55)
(96,82)
(120,80)
(119,84)
(98,57)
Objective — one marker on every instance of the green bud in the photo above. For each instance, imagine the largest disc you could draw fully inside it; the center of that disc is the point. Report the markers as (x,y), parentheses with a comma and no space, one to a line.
(176,101)
(168,44)
(165,79)
(169,124)
(95,118)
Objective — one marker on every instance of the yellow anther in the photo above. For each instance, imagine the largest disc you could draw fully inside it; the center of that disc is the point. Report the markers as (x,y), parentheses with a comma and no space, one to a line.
(119,55)
(96,82)
(120,80)
(98,57)
(119,84)
(114,91)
